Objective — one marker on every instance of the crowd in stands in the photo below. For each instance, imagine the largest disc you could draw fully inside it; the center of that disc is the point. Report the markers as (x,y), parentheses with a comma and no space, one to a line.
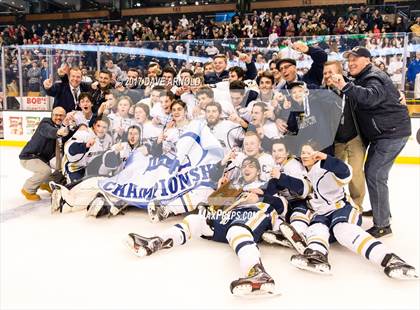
(363,20)
(263,35)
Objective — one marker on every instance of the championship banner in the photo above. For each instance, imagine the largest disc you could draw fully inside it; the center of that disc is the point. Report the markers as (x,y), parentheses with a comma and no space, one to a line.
(147,178)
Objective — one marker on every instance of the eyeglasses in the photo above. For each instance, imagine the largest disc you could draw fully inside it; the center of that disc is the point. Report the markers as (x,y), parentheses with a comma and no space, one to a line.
(282,68)
(61,115)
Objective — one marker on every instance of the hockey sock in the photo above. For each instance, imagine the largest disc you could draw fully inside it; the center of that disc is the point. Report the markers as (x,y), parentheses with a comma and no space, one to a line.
(357,240)
(242,242)
(181,205)
(277,223)
(300,222)
(317,237)
(193,225)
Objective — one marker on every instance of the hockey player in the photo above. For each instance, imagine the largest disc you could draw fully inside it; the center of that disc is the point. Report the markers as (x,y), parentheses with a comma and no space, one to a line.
(85,149)
(251,147)
(298,213)
(166,142)
(142,118)
(241,228)
(228,133)
(115,158)
(335,215)
(120,121)
(86,115)
(161,113)
(259,120)
(188,202)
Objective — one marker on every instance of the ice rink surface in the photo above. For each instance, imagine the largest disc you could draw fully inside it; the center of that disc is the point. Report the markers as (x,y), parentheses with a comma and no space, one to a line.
(68,261)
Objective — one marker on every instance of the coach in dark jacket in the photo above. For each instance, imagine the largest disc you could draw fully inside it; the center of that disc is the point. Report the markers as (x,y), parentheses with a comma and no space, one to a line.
(313,78)
(38,152)
(66,92)
(384,126)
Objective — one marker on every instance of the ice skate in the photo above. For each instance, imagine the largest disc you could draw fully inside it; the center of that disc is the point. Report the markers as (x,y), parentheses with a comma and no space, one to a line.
(396,268)
(276,237)
(312,260)
(157,212)
(297,241)
(98,207)
(143,246)
(258,282)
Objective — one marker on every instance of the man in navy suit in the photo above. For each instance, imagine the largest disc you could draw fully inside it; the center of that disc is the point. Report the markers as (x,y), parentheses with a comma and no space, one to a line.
(66,92)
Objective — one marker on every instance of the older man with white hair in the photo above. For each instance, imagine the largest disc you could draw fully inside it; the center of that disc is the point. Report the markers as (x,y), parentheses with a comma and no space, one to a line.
(384,126)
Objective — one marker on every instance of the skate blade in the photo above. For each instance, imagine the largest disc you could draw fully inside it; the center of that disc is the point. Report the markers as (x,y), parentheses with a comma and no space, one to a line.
(55,205)
(266,290)
(404,274)
(302,264)
(151,210)
(129,243)
(288,233)
(271,239)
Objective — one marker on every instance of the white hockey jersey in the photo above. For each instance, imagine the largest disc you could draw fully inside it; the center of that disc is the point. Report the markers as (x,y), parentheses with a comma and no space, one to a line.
(228,133)
(266,162)
(294,168)
(79,118)
(150,131)
(77,161)
(118,122)
(328,182)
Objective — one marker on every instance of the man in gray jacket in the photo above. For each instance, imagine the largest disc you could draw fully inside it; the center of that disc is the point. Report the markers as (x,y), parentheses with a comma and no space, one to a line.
(384,126)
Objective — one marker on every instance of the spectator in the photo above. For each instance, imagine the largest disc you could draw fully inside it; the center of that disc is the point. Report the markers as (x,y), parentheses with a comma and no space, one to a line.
(34,76)
(413,71)
(38,152)
(395,70)
(384,125)
(399,25)
(114,69)
(415,29)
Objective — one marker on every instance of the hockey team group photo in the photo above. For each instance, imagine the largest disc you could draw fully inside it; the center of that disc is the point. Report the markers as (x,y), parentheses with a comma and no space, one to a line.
(209,154)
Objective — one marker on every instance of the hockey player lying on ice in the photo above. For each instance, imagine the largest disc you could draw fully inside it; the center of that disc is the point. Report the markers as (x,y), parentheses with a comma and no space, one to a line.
(335,216)
(80,195)
(242,228)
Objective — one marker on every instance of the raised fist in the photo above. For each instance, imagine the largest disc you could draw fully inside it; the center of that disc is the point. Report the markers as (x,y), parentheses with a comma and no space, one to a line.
(300,47)
(48,83)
